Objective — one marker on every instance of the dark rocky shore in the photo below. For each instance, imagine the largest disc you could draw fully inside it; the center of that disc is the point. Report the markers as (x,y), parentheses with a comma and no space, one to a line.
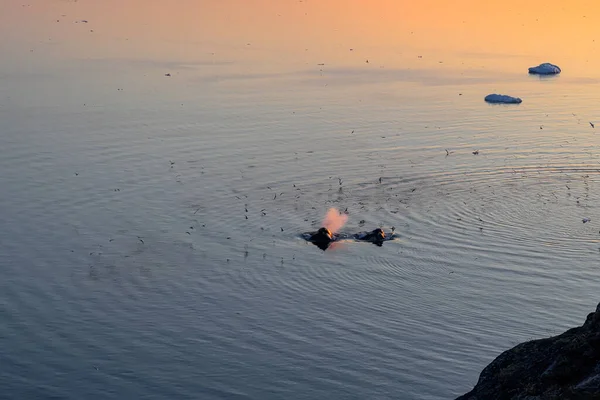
(565,367)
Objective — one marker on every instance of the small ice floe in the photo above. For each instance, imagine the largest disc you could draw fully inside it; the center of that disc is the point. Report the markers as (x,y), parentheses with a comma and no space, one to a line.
(502,98)
(545,69)
(586,220)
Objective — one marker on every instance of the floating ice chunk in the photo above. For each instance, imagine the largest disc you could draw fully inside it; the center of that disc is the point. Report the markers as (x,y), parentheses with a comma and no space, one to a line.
(545,69)
(502,98)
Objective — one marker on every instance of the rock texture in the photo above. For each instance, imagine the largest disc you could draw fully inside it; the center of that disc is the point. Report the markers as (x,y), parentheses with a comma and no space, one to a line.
(562,367)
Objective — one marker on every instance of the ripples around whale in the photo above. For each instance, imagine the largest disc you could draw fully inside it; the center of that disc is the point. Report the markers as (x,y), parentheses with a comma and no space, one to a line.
(324,238)
(150,241)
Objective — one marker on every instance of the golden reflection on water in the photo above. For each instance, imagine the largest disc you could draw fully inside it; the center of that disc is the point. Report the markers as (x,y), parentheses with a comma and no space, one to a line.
(89,123)
(505,36)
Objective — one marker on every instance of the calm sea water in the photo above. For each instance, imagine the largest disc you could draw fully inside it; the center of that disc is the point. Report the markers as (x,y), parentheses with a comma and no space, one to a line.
(150,244)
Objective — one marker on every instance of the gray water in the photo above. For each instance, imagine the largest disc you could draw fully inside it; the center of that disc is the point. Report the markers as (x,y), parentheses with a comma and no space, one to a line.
(130,267)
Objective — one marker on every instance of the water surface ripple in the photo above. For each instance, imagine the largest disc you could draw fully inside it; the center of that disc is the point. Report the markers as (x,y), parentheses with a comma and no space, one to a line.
(151,240)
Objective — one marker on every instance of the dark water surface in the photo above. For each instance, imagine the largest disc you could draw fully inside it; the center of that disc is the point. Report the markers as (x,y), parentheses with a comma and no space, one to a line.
(130,267)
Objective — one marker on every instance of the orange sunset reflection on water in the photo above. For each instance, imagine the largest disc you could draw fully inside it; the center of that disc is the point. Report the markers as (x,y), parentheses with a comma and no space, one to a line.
(505,36)
(174,151)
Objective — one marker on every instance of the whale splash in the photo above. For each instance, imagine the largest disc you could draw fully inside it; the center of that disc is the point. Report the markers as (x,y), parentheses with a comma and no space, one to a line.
(334,220)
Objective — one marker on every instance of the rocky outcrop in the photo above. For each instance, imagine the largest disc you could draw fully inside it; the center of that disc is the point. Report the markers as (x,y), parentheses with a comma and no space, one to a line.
(562,367)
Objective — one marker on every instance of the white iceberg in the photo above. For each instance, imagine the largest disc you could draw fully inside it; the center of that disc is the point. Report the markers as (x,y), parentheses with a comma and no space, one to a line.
(545,69)
(502,98)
